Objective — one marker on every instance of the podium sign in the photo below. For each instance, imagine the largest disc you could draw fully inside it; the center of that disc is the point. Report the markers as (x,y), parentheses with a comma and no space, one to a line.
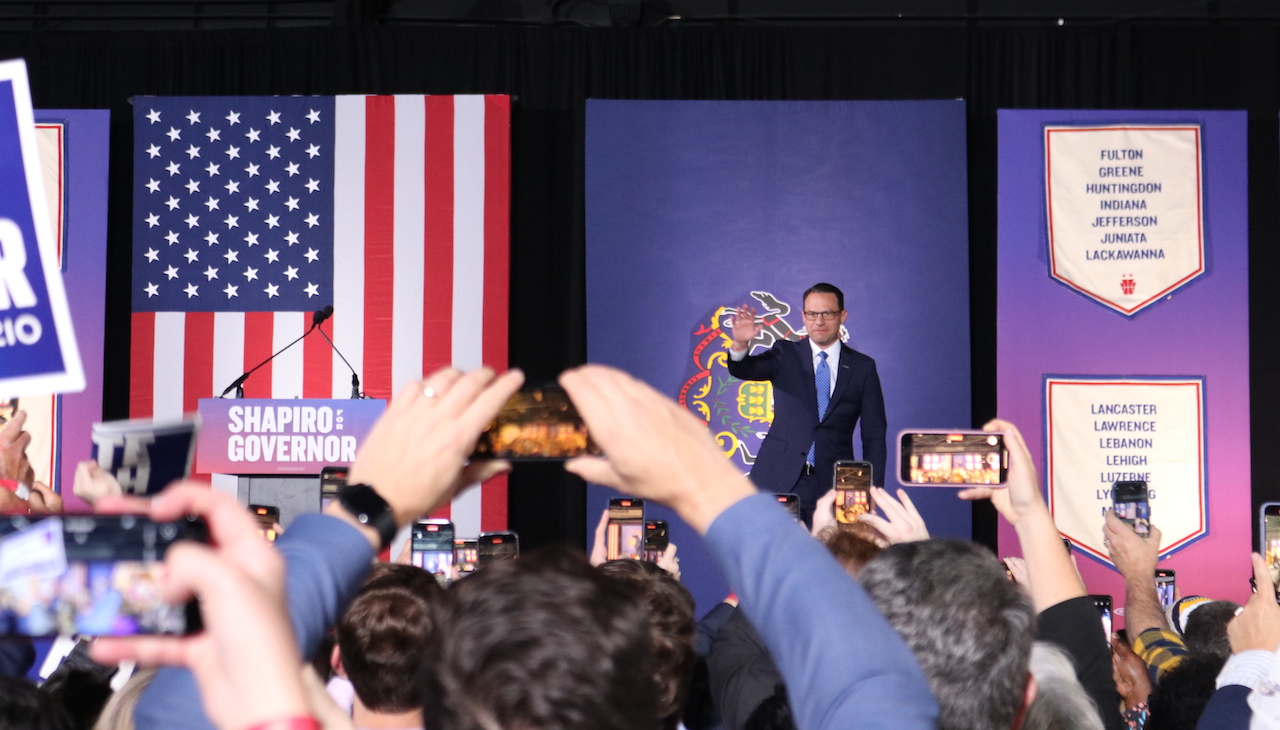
(286,436)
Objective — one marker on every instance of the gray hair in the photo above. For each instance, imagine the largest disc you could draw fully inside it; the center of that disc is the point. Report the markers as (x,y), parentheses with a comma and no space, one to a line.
(968,626)
(1061,703)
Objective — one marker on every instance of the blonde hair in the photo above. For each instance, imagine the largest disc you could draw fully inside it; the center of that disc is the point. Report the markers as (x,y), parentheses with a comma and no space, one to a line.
(118,713)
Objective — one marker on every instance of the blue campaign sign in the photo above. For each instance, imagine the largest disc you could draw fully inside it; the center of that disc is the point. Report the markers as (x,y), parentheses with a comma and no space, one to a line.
(38,353)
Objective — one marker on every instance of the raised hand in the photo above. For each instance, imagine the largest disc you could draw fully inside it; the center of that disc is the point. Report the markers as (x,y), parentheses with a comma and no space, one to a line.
(745,326)
(901,521)
(1022,495)
(13,450)
(1257,626)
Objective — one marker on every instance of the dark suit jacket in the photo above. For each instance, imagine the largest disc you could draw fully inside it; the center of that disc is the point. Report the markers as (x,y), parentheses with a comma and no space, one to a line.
(789,366)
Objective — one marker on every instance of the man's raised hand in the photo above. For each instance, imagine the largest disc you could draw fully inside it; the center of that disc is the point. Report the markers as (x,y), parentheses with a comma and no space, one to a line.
(745,327)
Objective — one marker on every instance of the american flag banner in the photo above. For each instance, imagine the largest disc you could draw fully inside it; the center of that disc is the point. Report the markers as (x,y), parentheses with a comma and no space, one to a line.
(250,213)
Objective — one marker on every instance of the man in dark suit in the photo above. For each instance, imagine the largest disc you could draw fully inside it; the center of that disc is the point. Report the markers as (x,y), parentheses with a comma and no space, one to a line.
(804,442)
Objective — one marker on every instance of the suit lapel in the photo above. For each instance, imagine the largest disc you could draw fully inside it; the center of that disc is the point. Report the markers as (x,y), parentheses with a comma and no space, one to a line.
(805,351)
(843,375)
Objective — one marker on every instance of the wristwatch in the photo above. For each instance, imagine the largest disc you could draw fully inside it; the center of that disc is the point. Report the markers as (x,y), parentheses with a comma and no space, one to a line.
(369,508)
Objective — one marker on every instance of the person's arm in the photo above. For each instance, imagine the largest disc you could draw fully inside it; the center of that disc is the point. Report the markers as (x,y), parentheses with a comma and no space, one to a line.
(742,365)
(741,672)
(1074,625)
(840,678)
(1136,558)
(874,425)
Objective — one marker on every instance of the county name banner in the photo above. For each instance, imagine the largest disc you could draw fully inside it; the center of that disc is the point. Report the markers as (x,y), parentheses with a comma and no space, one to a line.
(38,351)
(1124,210)
(250,213)
(1107,430)
(1188,349)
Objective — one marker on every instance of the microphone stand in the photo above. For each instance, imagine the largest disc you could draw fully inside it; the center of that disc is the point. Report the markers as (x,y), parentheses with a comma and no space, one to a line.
(355,379)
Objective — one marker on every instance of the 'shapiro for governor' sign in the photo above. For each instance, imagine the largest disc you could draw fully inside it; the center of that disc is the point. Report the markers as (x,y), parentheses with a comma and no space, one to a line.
(282,436)
(1107,430)
(38,353)
(1124,210)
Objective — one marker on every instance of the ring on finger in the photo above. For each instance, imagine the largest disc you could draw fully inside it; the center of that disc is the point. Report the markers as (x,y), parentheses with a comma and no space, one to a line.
(429,392)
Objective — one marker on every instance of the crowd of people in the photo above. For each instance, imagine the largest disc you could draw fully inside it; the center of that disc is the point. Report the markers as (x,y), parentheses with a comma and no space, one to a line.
(866,625)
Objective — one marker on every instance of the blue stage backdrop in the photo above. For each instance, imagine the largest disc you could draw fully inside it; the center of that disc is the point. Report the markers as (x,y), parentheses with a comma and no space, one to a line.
(693,207)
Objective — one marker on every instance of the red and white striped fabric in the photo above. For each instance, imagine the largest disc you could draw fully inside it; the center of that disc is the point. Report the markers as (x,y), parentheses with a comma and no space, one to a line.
(421,264)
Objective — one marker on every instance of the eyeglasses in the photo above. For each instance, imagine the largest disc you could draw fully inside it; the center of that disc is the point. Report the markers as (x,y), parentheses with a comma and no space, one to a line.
(826,316)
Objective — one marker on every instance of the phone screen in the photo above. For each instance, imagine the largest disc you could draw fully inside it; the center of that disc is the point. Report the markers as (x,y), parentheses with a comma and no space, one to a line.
(97,575)
(332,478)
(1131,505)
(1165,587)
(1271,539)
(268,517)
(465,555)
(957,458)
(657,536)
(791,503)
(8,409)
(853,490)
(624,534)
(1103,604)
(537,423)
(494,546)
(433,548)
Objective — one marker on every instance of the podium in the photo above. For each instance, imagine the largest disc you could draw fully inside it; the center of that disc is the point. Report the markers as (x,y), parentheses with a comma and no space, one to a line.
(276,448)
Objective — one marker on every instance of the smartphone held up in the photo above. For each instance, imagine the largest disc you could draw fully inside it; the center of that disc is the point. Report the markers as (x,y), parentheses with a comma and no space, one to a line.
(1130,502)
(852,484)
(953,458)
(536,424)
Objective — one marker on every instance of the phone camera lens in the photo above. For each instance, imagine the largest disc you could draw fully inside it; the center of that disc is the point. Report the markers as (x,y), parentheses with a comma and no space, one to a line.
(128,521)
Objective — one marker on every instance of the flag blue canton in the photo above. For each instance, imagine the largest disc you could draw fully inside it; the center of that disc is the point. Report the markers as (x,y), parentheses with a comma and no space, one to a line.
(233,204)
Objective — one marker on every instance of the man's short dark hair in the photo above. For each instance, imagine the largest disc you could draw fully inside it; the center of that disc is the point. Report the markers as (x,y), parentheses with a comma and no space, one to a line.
(672,630)
(545,641)
(24,707)
(824,288)
(970,628)
(1180,698)
(1206,631)
(383,633)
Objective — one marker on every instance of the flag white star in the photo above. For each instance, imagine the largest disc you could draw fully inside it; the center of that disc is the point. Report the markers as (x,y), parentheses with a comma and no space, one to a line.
(153,185)
(192,186)
(193,117)
(231,290)
(252,169)
(233,118)
(193,152)
(272,187)
(192,255)
(153,220)
(313,116)
(313,185)
(273,152)
(250,273)
(212,168)
(153,116)
(193,220)
(173,168)
(313,220)
(253,135)
(231,256)
(251,204)
(274,117)
(251,239)
(211,272)
(174,134)
(291,168)
(311,290)
(232,187)
(232,221)
(152,290)
(233,152)
(212,238)
(272,221)
(292,238)
(172,238)
(272,291)
(291,203)
(312,255)
(291,272)
(192,291)
(313,150)
(293,134)
(213,134)
(173,203)
(171,272)
(273,256)
(154,151)
(211,203)
(153,255)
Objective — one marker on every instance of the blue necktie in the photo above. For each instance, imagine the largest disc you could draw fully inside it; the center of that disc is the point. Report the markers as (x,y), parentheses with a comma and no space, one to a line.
(821,380)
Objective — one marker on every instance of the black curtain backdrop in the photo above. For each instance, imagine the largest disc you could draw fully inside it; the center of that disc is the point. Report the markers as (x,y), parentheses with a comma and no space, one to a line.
(551,71)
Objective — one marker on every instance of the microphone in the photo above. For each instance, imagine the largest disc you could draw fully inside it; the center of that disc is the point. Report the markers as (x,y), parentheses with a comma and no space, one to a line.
(316,319)
(355,379)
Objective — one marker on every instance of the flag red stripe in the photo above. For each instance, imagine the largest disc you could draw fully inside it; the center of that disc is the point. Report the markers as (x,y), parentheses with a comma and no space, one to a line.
(437,276)
(379,243)
(142,349)
(258,330)
(317,362)
(497,226)
(197,363)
